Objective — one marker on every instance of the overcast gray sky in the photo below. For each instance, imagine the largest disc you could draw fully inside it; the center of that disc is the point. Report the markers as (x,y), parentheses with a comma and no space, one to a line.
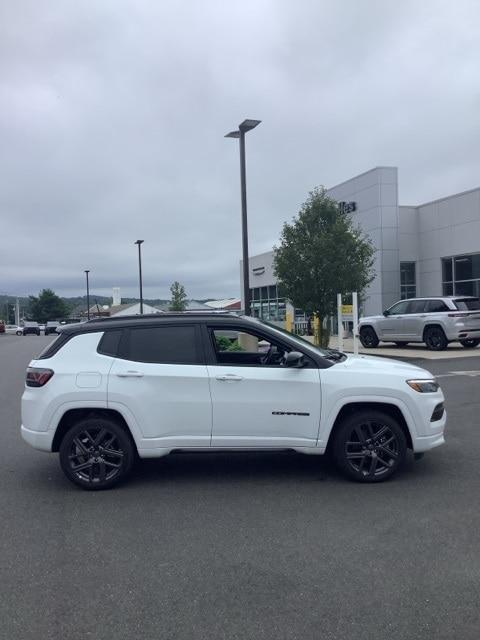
(113,112)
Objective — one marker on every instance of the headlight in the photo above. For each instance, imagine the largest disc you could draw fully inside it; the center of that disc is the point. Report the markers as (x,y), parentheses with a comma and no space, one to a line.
(424,386)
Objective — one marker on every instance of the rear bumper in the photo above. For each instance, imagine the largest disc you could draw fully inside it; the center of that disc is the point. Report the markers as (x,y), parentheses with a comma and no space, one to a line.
(41,440)
(468,334)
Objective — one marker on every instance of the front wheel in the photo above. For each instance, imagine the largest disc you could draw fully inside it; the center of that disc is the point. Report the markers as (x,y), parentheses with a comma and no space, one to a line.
(470,344)
(369,446)
(368,338)
(96,454)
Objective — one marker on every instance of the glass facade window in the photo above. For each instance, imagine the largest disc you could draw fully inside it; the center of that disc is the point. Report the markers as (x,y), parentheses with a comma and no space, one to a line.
(461,275)
(408,280)
(267,303)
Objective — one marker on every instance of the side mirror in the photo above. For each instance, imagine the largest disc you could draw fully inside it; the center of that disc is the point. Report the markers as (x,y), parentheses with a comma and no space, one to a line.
(386,313)
(294,359)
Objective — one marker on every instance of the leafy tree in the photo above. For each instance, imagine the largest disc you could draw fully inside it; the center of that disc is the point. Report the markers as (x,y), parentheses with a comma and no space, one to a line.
(179,297)
(48,306)
(322,253)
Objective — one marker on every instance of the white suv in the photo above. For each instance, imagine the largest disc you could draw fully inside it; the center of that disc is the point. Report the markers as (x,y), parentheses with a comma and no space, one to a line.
(107,391)
(434,321)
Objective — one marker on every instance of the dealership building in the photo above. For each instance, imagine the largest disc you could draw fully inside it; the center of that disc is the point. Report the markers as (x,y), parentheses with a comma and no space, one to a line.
(429,249)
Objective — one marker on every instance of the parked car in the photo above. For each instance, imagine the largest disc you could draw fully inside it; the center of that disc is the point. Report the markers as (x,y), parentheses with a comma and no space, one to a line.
(51,327)
(2,326)
(13,328)
(31,328)
(108,390)
(434,321)
(41,327)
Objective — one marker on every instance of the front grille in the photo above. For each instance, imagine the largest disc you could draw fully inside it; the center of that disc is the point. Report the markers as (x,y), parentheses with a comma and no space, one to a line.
(437,412)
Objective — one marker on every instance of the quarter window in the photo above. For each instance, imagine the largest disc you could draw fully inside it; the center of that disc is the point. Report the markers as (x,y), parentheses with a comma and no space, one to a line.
(164,345)
(434,306)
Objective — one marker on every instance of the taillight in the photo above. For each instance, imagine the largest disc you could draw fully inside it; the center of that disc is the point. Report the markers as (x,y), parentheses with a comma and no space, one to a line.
(37,377)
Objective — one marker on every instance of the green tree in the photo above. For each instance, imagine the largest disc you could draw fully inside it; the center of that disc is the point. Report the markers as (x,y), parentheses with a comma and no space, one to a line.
(322,253)
(48,306)
(179,297)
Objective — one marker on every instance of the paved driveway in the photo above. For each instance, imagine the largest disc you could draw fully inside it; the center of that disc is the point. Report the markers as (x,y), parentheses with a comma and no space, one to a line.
(241,546)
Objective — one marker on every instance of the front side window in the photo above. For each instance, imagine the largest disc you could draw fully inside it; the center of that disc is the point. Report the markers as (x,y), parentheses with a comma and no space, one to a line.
(163,345)
(397,309)
(246,348)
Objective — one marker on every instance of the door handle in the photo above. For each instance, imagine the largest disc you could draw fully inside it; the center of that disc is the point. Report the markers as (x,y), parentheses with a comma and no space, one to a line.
(229,377)
(130,374)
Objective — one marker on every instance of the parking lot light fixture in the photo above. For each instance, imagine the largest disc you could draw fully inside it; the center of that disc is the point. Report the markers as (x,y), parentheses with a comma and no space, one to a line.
(139,243)
(87,271)
(243,128)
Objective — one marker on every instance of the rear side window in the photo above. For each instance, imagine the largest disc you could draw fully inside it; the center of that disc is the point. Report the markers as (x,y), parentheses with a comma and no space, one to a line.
(110,342)
(164,345)
(416,306)
(435,306)
(469,304)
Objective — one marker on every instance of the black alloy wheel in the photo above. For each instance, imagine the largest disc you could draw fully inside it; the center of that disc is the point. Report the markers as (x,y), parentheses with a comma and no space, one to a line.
(368,338)
(369,446)
(435,339)
(471,343)
(96,454)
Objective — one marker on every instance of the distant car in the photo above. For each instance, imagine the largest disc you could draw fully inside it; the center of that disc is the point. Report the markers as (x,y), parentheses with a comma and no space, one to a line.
(31,328)
(2,326)
(13,328)
(51,327)
(41,327)
(434,321)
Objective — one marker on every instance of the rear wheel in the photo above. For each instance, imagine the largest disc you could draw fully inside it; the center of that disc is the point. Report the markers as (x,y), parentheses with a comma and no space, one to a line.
(470,344)
(368,338)
(435,339)
(369,446)
(96,454)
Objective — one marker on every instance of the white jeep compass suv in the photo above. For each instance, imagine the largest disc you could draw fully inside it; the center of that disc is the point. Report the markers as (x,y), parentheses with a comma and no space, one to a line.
(107,391)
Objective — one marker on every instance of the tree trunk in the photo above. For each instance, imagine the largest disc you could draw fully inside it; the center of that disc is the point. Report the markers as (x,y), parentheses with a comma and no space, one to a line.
(321,334)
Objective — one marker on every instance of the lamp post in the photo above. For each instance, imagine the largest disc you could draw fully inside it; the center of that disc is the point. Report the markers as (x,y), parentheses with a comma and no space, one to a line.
(87,271)
(247,125)
(139,242)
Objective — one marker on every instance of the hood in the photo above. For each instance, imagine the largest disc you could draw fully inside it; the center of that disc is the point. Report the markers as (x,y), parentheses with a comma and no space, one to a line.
(376,364)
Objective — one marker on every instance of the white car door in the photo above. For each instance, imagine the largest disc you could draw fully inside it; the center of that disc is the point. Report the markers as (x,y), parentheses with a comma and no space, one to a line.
(163,382)
(392,326)
(257,402)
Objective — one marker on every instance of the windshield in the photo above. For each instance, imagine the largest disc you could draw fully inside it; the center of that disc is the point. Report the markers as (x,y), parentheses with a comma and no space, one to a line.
(468,304)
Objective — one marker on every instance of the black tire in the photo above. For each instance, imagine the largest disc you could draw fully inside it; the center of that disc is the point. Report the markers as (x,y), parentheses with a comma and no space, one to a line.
(19,333)
(102,449)
(369,446)
(435,339)
(368,338)
(401,344)
(470,344)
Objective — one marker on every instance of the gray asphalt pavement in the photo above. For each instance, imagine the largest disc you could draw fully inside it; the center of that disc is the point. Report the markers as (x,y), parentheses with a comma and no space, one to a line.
(241,545)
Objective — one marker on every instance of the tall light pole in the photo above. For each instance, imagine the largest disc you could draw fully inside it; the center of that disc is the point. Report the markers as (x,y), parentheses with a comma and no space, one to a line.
(247,125)
(87,271)
(139,242)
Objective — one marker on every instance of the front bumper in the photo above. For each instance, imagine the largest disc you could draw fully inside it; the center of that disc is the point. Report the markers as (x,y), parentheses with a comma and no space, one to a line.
(41,440)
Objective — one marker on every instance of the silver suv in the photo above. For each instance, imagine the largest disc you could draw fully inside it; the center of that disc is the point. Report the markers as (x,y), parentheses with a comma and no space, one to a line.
(434,321)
